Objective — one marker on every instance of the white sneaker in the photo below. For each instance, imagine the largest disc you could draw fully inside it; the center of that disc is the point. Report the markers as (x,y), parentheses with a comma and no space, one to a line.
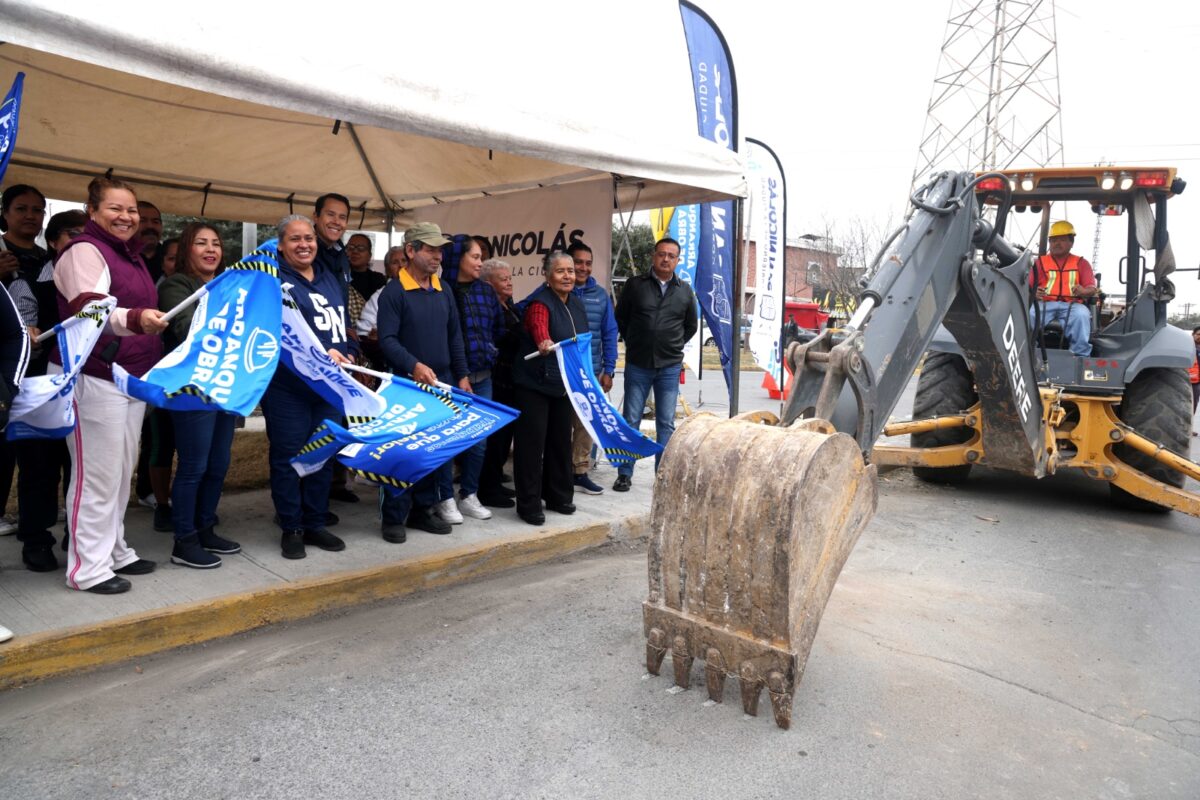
(5,634)
(471,507)
(448,511)
(8,525)
(148,501)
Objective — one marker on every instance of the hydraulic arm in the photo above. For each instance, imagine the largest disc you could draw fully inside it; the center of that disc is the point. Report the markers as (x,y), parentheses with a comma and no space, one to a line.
(945,265)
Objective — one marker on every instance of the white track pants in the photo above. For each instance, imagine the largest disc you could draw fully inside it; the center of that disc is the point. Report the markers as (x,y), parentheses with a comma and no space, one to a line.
(104,448)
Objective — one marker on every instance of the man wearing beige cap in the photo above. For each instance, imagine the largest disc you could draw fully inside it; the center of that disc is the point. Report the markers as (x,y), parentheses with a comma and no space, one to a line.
(420,337)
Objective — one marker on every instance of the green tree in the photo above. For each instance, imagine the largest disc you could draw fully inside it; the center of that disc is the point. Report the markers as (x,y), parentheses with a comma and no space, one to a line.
(641,243)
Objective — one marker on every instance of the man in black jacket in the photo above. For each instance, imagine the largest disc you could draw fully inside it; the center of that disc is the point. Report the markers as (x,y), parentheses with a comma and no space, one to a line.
(656,316)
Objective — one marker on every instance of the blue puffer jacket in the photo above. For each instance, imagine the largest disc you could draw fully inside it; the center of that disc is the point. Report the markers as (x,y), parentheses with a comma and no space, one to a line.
(601,323)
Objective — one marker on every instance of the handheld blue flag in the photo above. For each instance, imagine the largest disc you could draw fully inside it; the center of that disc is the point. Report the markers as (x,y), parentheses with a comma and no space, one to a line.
(608,429)
(45,406)
(231,350)
(10,115)
(398,464)
(303,354)
(411,407)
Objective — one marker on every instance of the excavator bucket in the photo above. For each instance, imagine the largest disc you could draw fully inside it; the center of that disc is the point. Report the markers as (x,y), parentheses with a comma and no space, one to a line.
(750,527)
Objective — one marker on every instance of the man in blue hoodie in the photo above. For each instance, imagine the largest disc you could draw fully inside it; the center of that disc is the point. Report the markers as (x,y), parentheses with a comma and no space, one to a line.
(603,325)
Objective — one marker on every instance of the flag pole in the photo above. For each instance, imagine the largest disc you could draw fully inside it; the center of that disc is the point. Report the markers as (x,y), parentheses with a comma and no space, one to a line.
(374,373)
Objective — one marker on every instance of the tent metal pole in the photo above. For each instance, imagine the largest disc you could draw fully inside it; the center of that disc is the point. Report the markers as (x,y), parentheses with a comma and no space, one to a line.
(739,280)
(362,154)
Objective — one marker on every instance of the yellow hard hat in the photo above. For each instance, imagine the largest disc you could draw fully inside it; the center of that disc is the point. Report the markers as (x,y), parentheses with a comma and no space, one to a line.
(1062,228)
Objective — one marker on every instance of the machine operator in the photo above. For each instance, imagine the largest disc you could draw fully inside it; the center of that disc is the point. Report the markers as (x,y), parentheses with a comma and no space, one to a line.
(1063,282)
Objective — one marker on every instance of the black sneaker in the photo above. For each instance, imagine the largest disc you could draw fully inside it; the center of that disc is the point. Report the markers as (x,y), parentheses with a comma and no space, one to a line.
(496,500)
(423,519)
(162,518)
(188,552)
(396,534)
(343,495)
(213,543)
(39,559)
(324,539)
(623,483)
(331,519)
(143,566)
(114,585)
(292,544)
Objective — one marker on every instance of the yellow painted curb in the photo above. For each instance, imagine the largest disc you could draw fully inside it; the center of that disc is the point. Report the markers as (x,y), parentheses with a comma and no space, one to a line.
(85,647)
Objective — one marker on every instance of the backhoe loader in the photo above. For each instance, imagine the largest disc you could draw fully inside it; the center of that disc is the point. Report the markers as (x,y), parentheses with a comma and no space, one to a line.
(754,517)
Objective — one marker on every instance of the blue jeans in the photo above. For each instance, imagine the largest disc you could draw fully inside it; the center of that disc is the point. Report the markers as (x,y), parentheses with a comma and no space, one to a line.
(1076,321)
(291,417)
(472,459)
(202,439)
(638,382)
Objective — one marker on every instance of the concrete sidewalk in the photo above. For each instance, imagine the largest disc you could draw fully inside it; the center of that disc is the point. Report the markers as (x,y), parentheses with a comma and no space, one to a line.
(61,630)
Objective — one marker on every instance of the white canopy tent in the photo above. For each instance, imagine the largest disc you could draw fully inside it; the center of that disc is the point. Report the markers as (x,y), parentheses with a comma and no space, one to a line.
(243,110)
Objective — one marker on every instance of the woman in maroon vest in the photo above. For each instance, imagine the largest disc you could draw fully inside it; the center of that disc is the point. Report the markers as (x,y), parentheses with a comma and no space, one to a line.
(101,261)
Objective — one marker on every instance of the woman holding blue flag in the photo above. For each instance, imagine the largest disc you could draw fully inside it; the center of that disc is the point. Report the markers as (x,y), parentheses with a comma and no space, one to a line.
(542,466)
(202,438)
(293,409)
(105,260)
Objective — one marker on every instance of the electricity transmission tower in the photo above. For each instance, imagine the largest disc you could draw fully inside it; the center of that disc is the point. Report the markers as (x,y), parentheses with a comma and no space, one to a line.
(995,100)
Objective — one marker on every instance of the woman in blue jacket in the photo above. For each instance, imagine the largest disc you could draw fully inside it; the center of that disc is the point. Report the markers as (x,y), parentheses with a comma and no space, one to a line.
(291,408)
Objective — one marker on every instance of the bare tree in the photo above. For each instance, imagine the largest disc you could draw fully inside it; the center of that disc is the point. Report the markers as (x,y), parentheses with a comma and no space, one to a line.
(854,245)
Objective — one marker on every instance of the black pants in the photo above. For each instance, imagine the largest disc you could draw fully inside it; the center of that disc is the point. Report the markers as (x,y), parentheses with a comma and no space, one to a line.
(542,456)
(41,464)
(498,446)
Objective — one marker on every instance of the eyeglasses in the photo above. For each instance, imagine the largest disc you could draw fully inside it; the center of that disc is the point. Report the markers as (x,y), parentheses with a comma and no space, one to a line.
(357,248)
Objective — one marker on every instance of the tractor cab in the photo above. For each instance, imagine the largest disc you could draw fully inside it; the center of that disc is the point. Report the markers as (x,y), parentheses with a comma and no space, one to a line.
(1128,330)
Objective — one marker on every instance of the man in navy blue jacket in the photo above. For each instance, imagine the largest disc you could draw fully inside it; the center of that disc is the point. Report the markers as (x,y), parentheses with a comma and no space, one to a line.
(420,337)
(603,325)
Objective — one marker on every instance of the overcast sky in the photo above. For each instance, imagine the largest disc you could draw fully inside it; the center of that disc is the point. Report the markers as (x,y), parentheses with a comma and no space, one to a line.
(840,90)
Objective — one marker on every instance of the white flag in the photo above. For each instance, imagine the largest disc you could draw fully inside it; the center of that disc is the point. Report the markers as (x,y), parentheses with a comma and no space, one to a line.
(45,406)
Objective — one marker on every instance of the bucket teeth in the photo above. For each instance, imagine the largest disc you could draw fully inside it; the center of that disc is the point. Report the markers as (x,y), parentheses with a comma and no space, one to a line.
(714,674)
(781,698)
(682,660)
(750,527)
(656,649)
(751,688)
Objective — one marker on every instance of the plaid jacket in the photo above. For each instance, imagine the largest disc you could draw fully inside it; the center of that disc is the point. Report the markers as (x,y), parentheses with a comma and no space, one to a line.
(482,323)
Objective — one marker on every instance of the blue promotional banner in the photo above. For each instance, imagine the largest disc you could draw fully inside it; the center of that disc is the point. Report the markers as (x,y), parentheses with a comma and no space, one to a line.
(684,228)
(45,406)
(230,353)
(10,115)
(398,464)
(608,429)
(716,120)
(411,407)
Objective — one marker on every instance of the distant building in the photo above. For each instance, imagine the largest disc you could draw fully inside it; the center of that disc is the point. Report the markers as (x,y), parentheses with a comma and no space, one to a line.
(812,270)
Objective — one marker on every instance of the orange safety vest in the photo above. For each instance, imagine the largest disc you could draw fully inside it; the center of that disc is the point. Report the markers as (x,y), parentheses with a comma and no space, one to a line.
(1059,281)
(1194,372)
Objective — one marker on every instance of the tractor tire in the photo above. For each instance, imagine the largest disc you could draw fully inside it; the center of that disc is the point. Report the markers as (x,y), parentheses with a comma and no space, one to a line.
(945,386)
(1158,405)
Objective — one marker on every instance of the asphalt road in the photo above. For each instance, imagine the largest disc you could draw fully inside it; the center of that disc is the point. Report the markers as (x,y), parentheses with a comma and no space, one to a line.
(1011,639)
